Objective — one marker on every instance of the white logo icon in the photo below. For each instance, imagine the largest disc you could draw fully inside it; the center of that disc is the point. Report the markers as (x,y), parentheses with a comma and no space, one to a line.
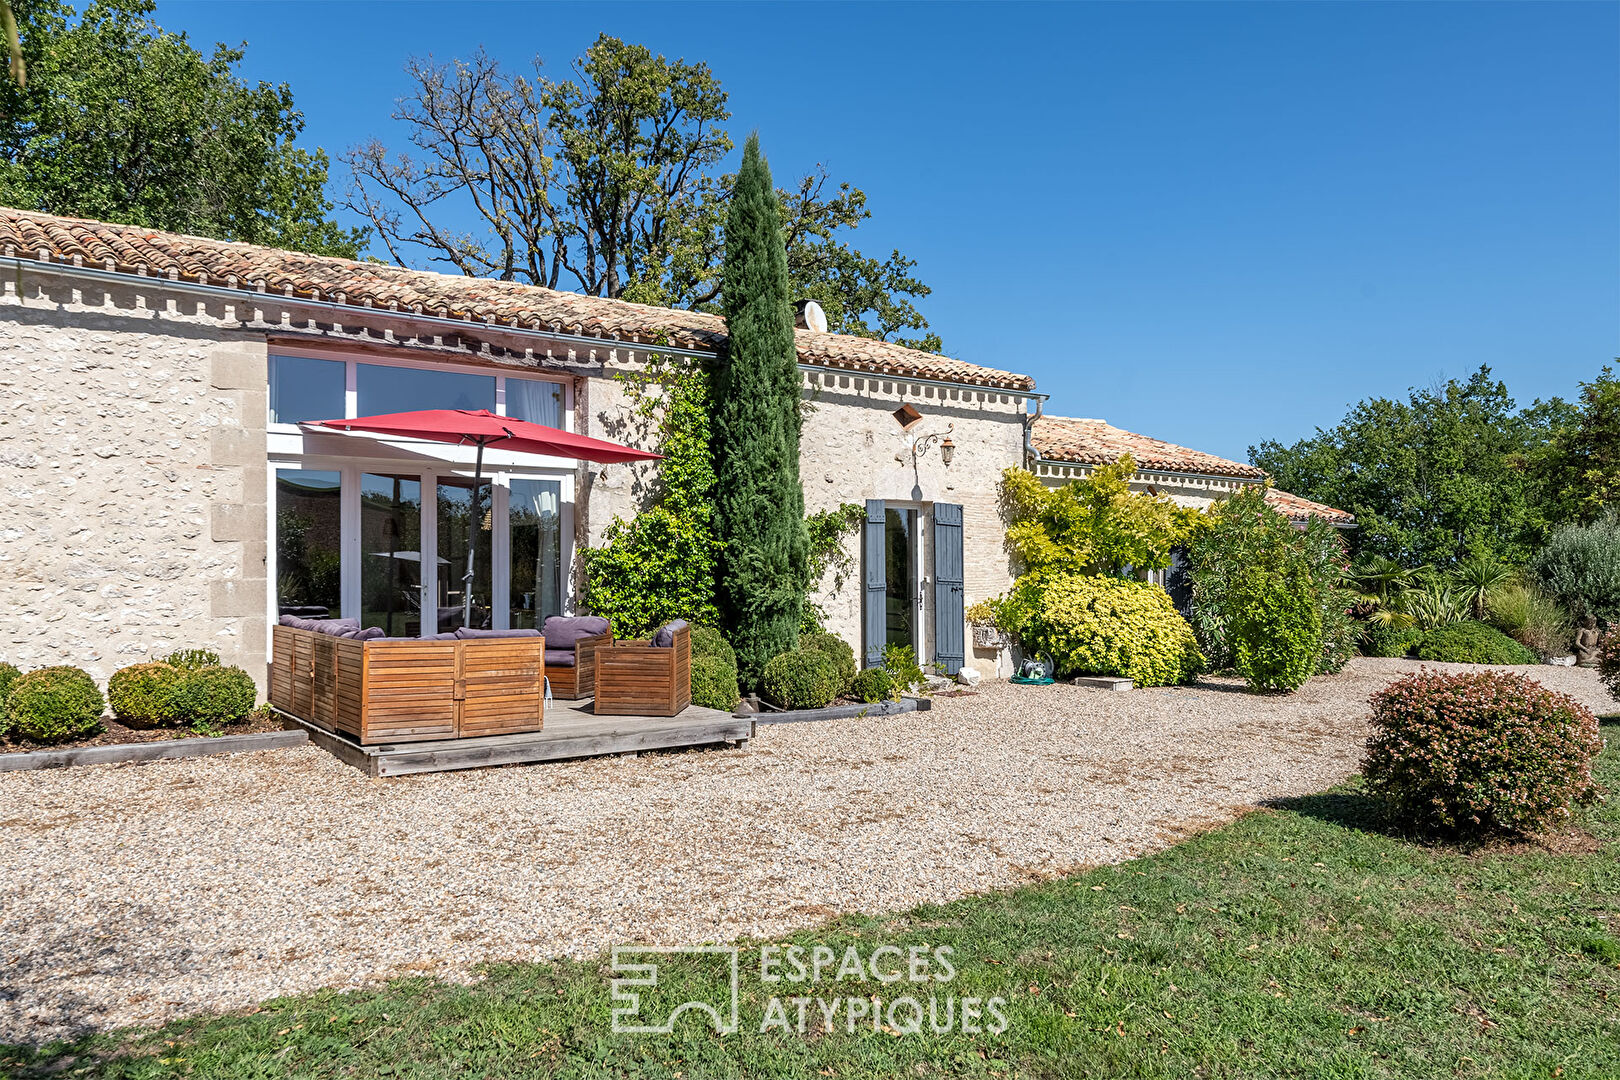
(639,963)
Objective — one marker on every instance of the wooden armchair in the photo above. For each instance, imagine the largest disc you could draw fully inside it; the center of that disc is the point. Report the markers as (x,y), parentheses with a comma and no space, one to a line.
(571,645)
(646,678)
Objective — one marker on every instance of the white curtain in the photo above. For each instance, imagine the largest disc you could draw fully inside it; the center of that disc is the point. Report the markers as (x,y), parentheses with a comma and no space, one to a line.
(535,401)
(543,498)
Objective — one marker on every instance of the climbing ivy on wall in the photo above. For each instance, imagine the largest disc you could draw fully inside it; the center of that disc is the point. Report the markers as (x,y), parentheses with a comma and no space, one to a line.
(661,565)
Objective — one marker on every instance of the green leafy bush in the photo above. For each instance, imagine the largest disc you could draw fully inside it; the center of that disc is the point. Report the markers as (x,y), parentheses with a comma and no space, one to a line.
(1609,661)
(900,661)
(141,695)
(801,679)
(1383,639)
(208,696)
(55,704)
(8,675)
(1093,625)
(191,659)
(707,641)
(714,683)
(871,686)
(1471,642)
(1276,629)
(1480,753)
(1580,568)
(838,650)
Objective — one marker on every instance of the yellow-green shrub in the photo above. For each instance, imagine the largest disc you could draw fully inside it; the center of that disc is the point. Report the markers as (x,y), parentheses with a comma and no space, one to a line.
(141,695)
(1092,625)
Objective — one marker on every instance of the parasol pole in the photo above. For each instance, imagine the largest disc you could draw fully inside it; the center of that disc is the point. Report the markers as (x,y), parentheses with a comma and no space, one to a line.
(472,537)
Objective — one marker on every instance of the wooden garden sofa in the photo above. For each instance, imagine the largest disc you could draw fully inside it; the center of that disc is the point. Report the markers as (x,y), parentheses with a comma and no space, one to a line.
(391,690)
(571,644)
(646,678)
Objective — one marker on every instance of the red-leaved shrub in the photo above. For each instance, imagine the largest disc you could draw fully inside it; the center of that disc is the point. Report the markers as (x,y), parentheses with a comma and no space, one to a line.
(1609,661)
(1473,754)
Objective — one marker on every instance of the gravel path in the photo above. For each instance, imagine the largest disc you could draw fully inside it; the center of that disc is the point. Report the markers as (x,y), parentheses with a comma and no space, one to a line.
(137,893)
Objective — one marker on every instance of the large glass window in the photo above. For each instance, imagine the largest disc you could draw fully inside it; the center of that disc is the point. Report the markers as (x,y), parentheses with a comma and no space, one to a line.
(309,531)
(391,554)
(534,515)
(463,518)
(400,389)
(302,388)
(900,571)
(535,401)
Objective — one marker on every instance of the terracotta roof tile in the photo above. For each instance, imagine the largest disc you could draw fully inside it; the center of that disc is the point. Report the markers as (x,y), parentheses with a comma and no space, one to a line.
(133,249)
(1300,508)
(1094,442)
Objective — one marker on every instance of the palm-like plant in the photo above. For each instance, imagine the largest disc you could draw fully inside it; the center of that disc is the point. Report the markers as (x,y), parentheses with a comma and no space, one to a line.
(1474,579)
(1381,579)
(1432,604)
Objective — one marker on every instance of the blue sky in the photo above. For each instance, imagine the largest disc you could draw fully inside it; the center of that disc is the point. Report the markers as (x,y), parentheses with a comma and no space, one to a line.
(1209,223)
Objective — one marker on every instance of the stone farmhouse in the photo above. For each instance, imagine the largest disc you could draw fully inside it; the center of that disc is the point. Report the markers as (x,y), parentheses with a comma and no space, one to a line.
(158,491)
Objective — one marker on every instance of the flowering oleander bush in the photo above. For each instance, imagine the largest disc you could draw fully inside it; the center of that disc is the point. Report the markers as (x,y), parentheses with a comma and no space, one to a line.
(1471,642)
(54,704)
(1098,625)
(141,695)
(1480,753)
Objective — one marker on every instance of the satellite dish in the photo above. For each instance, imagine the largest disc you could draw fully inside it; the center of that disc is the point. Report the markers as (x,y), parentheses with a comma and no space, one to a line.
(811,317)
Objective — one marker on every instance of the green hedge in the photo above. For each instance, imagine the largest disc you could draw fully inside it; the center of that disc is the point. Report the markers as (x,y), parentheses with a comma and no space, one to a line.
(1381,639)
(141,695)
(802,679)
(1093,625)
(55,704)
(1472,643)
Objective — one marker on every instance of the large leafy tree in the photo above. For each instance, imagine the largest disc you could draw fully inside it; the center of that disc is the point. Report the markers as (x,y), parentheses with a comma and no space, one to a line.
(1446,474)
(1582,465)
(123,121)
(759,505)
(607,181)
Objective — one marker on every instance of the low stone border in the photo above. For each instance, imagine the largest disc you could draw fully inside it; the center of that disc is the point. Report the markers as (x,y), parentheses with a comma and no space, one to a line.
(839,712)
(152,751)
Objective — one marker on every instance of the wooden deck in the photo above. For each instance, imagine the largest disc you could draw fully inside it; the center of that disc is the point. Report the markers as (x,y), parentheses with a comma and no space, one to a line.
(571,731)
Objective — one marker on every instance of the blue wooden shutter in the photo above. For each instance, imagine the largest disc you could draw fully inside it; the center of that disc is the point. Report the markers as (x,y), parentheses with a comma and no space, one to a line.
(949,648)
(875,598)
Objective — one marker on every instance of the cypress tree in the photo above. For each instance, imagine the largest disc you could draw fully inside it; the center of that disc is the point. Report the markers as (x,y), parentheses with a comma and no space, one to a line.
(759,505)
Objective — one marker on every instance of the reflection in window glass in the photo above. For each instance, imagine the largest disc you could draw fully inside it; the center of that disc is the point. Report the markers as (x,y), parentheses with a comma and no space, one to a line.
(900,571)
(302,388)
(458,510)
(391,554)
(536,542)
(535,401)
(309,527)
(397,389)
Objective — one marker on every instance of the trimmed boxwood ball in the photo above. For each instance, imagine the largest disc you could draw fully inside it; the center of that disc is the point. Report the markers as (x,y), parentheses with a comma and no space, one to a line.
(714,683)
(1472,642)
(802,679)
(838,650)
(1380,639)
(871,686)
(55,704)
(1480,752)
(707,641)
(213,695)
(141,695)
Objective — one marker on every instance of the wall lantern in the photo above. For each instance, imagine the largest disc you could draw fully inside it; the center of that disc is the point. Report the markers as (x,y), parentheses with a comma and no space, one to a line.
(946,450)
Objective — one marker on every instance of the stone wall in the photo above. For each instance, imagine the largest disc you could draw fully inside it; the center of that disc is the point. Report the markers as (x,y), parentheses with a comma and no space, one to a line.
(132,480)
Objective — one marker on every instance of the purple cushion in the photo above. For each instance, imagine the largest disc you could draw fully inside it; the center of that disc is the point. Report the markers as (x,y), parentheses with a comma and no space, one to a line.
(560,657)
(665,637)
(336,627)
(464,633)
(564,631)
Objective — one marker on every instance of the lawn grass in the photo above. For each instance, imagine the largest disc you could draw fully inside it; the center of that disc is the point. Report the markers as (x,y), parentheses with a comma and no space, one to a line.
(1300,941)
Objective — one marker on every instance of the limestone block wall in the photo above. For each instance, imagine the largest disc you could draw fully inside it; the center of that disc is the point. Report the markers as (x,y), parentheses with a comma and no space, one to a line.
(132,479)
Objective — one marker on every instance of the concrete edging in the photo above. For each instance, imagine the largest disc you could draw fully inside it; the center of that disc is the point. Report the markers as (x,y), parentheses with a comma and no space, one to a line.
(840,712)
(152,751)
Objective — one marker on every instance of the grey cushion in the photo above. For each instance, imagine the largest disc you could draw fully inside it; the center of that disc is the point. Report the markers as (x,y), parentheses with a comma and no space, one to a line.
(335,627)
(448,635)
(370,633)
(665,637)
(564,631)
(464,633)
(560,657)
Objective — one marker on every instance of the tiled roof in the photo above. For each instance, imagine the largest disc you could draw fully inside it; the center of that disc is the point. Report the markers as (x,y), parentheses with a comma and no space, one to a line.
(1093,442)
(1300,508)
(133,249)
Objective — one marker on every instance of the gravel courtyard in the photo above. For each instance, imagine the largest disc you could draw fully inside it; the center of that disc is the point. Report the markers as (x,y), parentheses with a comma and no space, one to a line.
(136,893)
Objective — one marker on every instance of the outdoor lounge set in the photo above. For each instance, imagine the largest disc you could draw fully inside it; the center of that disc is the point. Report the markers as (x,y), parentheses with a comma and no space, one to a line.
(470,683)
